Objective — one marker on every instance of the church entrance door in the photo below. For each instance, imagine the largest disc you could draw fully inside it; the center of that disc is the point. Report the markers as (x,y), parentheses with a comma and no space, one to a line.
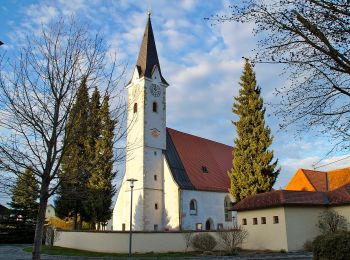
(209,225)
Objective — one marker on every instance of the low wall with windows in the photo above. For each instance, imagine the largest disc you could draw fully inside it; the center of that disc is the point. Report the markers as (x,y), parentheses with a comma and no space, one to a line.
(118,242)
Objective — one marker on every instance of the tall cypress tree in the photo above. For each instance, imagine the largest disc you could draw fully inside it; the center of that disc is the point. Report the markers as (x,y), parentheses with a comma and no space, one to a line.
(253,170)
(24,198)
(74,174)
(100,181)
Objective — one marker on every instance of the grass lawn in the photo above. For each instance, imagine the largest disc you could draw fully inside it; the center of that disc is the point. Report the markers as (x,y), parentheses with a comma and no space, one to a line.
(56,250)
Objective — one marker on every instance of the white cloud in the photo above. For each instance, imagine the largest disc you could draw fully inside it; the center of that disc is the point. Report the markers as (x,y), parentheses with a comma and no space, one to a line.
(202,63)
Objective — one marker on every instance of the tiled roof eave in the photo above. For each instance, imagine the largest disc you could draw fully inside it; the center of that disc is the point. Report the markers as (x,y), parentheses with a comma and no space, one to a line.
(281,205)
(207,189)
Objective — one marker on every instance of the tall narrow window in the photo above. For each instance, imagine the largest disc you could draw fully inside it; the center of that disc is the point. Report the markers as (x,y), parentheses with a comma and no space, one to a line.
(135,108)
(227,209)
(156,206)
(155,107)
(155,227)
(193,207)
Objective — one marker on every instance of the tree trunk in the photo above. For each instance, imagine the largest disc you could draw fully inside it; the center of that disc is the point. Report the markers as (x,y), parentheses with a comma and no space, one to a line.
(40,221)
(75,220)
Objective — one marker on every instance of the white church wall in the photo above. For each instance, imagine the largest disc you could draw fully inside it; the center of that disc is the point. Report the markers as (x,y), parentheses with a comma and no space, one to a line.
(171,200)
(121,212)
(154,143)
(134,163)
(153,209)
(155,122)
(210,205)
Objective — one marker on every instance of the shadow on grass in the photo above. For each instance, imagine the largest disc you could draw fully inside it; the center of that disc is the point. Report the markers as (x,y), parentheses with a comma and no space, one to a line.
(56,250)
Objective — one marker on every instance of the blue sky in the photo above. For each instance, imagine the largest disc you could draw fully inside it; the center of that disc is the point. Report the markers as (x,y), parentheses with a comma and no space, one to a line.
(201,62)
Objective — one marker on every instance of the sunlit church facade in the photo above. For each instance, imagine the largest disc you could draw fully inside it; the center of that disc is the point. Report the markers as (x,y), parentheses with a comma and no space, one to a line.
(182,181)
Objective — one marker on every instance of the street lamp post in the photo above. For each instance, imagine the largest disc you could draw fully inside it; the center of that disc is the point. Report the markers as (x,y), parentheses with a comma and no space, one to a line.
(132,181)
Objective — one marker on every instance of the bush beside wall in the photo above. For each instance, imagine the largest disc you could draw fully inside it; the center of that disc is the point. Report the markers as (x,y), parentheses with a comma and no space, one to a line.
(332,246)
(203,242)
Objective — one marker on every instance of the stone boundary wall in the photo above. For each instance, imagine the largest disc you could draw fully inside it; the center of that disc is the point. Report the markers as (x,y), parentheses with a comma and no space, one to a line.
(118,242)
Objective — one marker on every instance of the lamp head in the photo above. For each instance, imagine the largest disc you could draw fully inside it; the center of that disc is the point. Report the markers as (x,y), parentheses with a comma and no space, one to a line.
(132,180)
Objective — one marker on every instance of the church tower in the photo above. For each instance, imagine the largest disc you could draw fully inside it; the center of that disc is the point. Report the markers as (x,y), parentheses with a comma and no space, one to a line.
(146,140)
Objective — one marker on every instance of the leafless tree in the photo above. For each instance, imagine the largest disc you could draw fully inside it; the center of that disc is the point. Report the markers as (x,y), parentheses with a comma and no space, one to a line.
(232,239)
(187,237)
(37,91)
(311,39)
(330,221)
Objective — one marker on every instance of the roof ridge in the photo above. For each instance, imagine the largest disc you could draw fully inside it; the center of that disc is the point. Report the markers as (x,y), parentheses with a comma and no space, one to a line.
(312,170)
(338,169)
(199,137)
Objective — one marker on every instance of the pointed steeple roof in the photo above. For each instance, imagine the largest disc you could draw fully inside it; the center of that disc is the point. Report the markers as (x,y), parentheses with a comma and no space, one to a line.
(148,56)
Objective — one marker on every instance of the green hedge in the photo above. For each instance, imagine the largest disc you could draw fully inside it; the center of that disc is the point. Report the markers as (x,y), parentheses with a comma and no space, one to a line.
(335,246)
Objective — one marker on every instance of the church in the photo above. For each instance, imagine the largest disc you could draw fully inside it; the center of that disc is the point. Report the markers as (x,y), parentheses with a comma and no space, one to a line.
(182,181)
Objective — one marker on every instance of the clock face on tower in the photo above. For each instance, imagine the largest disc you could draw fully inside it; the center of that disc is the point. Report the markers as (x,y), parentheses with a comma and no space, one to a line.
(155,90)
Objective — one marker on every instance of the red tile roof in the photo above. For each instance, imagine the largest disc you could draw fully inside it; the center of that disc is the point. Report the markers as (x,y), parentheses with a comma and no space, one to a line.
(317,179)
(196,152)
(340,195)
(295,198)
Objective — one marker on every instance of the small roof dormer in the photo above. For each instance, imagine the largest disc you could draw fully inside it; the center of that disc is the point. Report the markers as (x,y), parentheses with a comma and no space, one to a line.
(147,61)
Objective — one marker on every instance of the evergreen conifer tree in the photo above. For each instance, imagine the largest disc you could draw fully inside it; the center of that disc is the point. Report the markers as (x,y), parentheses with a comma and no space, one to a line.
(100,181)
(253,170)
(24,198)
(75,166)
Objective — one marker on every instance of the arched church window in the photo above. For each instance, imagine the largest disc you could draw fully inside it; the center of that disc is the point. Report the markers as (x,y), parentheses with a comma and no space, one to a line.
(155,107)
(135,108)
(227,206)
(193,207)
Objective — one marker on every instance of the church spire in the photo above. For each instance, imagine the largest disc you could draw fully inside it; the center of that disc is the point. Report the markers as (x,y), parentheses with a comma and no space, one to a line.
(148,61)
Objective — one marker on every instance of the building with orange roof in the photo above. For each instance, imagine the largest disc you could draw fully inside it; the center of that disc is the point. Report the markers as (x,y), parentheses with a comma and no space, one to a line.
(311,180)
(288,218)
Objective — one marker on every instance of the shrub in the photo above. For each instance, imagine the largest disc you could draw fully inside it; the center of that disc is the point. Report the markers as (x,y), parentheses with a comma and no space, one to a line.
(335,246)
(231,240)
(203,242)
(308,246)
(329,221)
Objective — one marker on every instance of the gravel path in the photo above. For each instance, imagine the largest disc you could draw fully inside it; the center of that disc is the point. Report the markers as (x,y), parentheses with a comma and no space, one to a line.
(8,252)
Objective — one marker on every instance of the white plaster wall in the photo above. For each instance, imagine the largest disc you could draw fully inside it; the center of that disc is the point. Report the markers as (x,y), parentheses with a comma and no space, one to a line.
(171,200)
(144,157)
(267,236)
(209,204)
(134,162)
(302,221)
(153,216)
(118,242)
(153,158)
(301,225)
(121,212)
(155,119)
